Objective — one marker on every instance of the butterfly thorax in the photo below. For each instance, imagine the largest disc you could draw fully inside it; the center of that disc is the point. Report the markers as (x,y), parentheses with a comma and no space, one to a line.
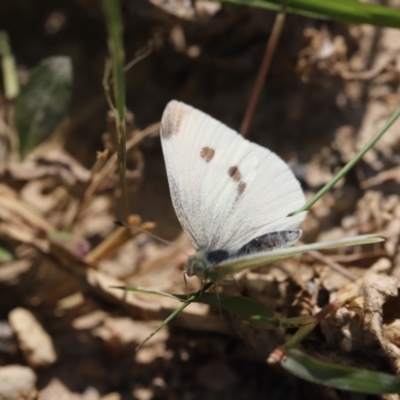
(202,264)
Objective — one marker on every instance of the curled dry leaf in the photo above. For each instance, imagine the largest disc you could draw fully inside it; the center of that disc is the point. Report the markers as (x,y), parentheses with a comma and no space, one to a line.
(324,52)
(49,160)
(368,316)
(377,290)
(45,196)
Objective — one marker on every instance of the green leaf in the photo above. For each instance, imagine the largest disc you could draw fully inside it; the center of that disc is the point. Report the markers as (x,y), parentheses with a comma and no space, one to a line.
(350,11)
(5,255)
(339,377)
(43,102)
(242,306)
(249,309)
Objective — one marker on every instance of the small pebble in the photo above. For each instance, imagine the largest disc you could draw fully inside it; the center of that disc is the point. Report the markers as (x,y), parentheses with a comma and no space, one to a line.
(35,343)
(17,382)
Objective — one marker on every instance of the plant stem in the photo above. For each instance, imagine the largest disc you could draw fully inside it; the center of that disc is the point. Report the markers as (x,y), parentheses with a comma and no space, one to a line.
(112,10)
(263,71)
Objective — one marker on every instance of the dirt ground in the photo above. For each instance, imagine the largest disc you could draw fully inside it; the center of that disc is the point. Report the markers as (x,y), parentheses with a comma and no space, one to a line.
(70,335)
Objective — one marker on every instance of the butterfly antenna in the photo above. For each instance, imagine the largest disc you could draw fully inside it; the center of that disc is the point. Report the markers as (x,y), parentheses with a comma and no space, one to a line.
(186,284)
(236,282)
(160,239)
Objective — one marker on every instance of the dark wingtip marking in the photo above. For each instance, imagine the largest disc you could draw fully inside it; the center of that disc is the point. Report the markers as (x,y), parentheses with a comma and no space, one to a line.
(207,154)
(241,188)
(172,118)
(234,173)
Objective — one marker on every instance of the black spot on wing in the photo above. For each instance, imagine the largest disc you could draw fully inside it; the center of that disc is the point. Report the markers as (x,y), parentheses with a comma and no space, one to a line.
(270,241)
(217,256)
(207,154)
(234,173)
(236,176)
(241,188)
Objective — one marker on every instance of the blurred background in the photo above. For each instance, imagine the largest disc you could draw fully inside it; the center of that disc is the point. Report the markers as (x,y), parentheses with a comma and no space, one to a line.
(330,87)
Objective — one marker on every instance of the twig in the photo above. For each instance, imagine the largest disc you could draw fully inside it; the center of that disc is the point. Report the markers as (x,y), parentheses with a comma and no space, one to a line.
(263,71)
(110,165)
(97,166)
(333,265)
(113,242)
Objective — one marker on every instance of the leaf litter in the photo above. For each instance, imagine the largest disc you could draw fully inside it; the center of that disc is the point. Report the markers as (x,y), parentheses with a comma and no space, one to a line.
(65,283)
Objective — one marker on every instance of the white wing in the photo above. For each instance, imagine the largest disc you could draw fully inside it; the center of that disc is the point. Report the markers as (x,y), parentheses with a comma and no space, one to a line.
(226,190)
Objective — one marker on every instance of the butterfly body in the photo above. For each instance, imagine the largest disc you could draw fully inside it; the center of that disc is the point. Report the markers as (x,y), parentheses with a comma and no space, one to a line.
(204,264)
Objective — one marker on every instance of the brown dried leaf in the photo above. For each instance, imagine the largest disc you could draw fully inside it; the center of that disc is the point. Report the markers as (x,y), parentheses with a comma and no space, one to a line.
(376,290)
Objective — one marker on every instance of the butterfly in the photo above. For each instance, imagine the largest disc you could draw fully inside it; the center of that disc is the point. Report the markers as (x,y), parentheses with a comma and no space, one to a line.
(235,200)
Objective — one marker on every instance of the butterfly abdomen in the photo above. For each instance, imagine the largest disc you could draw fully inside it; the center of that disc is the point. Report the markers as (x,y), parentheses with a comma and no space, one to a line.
(270,241)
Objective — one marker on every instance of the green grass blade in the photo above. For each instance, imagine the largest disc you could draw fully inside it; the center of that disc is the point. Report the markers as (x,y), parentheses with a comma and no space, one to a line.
(148,291)
(166,321)
(9,68)
(339,377)
(112,10)
(253,261)
(351,163)
(350,11)
(187,300)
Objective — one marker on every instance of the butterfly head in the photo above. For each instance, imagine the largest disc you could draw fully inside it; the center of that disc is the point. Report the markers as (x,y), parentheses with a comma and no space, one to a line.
(198,265)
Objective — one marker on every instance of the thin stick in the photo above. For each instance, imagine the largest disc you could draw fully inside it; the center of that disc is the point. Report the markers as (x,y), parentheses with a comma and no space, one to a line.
(97,166)
(263,71)
(110,164)
(140,55)
(333,265)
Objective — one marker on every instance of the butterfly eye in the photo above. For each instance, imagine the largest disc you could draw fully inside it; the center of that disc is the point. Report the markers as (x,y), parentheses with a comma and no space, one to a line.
(198,265)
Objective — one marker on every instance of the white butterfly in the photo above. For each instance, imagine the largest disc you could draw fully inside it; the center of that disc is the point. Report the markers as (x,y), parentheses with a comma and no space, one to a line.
(233,198)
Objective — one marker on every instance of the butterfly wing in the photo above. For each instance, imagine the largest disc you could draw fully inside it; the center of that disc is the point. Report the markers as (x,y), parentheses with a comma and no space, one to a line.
(218,272)
(226,190)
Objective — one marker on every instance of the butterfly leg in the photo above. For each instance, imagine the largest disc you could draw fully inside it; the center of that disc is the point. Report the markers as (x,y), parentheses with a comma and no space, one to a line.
(232,279)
